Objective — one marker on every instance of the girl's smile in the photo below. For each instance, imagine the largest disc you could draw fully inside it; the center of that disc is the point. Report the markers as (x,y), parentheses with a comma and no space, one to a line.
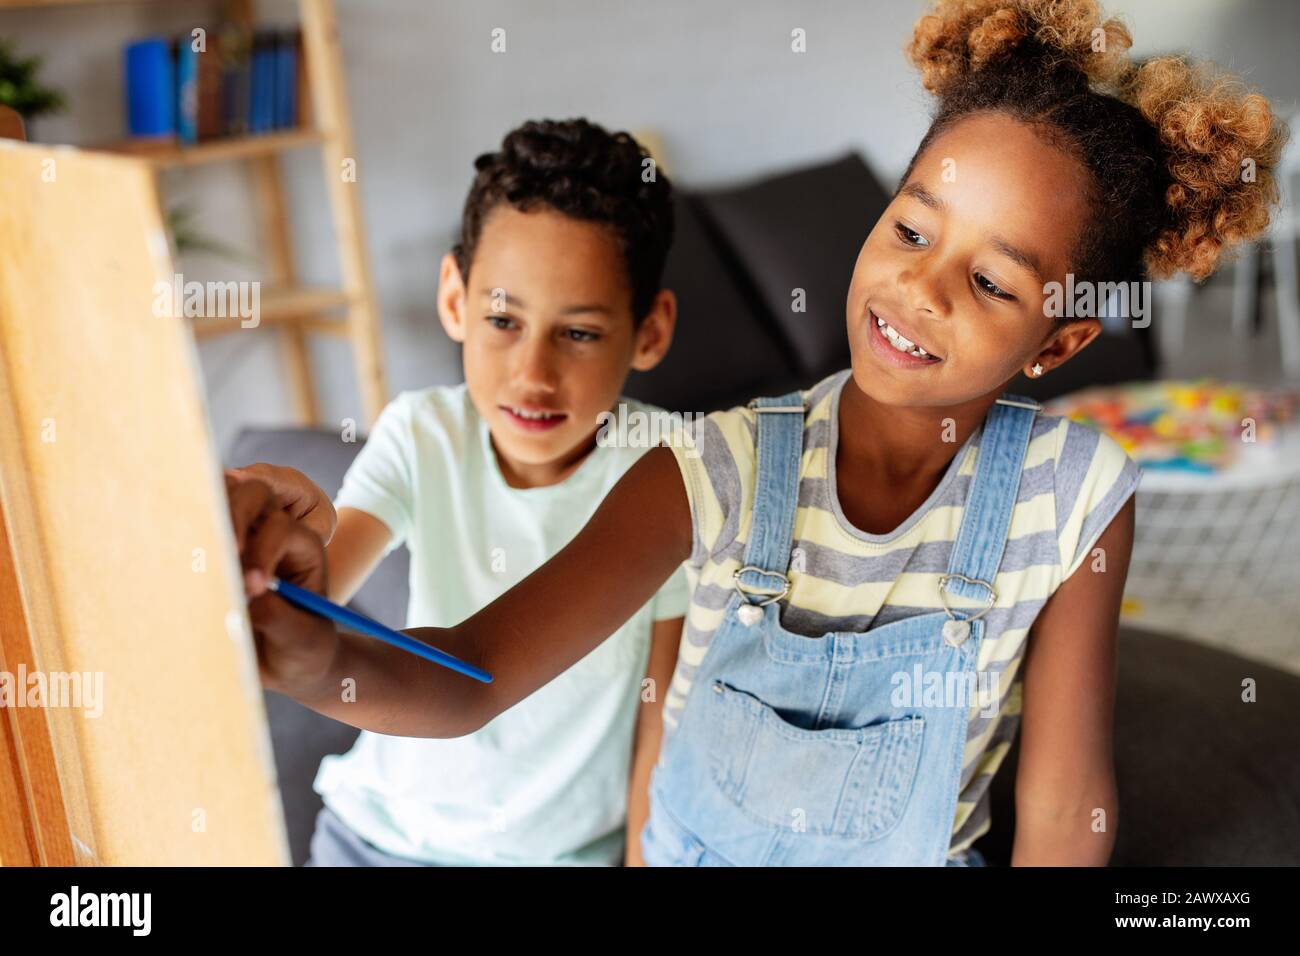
(896,344)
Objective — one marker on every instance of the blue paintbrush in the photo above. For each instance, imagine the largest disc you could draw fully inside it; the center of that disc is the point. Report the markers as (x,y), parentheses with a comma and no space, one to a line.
(310,601)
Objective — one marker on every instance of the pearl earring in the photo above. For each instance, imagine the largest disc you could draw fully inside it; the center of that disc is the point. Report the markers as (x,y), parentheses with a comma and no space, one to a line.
(1037,369)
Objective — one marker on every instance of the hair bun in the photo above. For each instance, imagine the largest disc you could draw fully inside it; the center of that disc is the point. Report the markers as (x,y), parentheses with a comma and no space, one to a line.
(1222,144)
(959,37)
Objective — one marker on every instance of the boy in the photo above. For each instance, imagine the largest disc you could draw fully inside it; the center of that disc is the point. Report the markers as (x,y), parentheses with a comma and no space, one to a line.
(553,292)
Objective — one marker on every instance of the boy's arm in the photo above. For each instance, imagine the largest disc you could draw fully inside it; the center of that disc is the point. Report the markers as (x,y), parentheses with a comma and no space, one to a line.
(1066,770)
(664,644)
(356,549)
(525,638)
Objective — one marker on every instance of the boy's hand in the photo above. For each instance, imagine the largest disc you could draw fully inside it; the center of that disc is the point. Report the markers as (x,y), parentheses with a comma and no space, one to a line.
(295,494)
(295,648)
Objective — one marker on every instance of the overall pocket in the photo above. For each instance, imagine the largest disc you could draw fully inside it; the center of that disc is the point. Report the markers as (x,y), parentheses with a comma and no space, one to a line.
(664,842)
(845,782)
(662,846)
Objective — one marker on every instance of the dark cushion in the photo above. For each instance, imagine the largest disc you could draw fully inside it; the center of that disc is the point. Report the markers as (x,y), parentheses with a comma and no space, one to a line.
(300,738)
(1205,779)
(802,229)
(719,317)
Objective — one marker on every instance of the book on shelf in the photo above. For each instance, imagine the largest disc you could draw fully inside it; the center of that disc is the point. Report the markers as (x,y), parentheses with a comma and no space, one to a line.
(286,79)
(150,87)
(236,79)
(200,87)
(187,92)
(209,95)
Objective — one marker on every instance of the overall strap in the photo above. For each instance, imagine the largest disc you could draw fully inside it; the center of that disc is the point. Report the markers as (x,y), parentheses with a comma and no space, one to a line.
(779,447)
(982,539)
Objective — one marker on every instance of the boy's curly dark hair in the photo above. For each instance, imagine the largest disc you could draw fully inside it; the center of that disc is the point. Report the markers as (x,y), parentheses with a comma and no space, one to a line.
(578,169)
(1165,144)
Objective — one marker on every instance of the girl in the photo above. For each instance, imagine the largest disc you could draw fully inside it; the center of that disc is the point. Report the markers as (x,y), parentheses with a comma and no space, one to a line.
(894,568)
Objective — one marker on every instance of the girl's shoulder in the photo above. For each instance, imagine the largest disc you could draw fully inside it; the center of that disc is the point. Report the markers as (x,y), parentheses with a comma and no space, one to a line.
(738,425)
(1092,478)
(1078,449)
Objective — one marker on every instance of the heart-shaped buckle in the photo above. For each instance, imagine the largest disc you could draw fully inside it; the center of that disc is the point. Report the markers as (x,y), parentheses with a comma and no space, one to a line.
(957,629)
(750,613)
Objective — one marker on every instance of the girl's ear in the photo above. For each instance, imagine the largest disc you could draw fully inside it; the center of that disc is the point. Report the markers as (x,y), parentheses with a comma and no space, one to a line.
(451,298)
(655,333)
(1067,342)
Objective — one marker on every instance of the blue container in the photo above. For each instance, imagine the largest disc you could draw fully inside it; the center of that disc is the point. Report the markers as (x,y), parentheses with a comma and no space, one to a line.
(150,88)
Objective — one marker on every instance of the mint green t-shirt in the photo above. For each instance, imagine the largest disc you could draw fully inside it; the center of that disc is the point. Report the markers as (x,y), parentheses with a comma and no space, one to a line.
(546,781)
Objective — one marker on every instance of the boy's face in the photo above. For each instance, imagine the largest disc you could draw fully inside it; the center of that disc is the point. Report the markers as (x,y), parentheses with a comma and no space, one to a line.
(957,265)
(546,324)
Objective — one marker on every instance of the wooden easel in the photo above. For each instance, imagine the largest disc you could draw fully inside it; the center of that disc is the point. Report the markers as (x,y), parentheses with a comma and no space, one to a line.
(116,553)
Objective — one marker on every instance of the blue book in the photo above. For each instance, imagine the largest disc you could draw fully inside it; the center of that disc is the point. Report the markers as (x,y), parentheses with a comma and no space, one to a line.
(187,92)
(150,88)
(286,81)
(235,76)
(261,110)
(254,84)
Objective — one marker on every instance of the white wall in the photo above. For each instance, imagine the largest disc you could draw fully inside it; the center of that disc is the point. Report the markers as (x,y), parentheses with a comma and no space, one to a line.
(717,81)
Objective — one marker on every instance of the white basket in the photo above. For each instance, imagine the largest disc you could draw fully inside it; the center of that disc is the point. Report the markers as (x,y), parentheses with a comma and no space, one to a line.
(1217,558)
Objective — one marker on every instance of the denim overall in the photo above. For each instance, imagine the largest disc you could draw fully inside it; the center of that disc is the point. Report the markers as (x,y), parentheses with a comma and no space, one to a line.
(791,750)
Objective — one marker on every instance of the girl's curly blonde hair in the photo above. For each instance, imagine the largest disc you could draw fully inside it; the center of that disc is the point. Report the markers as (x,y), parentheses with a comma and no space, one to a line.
(1181,155)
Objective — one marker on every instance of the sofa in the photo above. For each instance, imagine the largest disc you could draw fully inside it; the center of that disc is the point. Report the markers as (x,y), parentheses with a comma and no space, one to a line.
(1205,779)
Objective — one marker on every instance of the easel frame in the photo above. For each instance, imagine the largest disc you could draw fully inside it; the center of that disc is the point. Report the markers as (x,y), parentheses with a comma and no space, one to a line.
(117,557)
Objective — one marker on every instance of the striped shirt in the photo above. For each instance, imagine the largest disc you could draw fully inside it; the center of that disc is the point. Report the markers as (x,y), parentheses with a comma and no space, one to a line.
(1074,481)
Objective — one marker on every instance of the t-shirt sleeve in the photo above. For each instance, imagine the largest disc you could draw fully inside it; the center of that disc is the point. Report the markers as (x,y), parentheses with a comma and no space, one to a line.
(380,480)
(671,600)
(715,453)
(1094,478)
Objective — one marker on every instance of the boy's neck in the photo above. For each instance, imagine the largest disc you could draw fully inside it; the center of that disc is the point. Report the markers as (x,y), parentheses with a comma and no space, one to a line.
(518,474)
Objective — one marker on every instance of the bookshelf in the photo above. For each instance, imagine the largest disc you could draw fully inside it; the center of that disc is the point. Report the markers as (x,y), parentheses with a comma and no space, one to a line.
(288,309)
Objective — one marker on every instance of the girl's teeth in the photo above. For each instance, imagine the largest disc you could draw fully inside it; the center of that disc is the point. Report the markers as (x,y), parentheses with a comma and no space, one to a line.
(523,414)
(898,342)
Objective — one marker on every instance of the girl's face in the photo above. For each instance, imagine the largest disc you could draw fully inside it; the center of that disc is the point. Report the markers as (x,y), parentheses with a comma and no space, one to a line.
(957,265)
